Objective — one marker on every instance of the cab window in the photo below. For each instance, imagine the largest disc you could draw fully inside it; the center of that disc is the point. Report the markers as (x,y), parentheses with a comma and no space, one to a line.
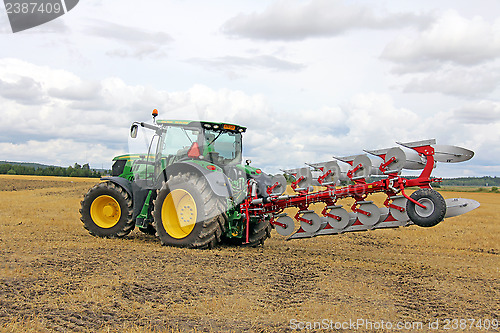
(178,141)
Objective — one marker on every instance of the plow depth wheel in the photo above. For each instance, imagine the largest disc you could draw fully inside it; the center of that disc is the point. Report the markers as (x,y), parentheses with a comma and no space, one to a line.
(434,211)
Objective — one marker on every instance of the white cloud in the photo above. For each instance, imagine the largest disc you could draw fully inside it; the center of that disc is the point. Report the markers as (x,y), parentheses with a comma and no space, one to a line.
(140,43)
(452,80)
(451,38)
(454,55)
(483,112)
(78,91)
(25,90)
(87,113)
(254,62)
(298,20)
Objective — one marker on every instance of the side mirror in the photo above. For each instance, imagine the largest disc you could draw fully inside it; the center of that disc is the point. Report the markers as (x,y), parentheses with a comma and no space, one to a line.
(248,162)
(133,131)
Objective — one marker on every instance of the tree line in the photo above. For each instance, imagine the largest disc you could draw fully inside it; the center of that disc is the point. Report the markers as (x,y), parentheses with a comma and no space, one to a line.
(472,181)
(76,170)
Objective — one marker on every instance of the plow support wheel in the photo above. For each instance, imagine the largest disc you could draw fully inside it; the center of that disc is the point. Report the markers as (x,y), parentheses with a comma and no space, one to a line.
(434,211)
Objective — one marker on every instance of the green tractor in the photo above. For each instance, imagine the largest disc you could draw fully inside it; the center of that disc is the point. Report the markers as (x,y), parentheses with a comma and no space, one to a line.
(188,189)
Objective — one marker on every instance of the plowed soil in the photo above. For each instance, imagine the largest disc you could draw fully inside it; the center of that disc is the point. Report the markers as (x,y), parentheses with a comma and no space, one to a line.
(55,277)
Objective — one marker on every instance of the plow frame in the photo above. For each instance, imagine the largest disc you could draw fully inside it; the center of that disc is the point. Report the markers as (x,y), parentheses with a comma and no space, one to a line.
(359,191)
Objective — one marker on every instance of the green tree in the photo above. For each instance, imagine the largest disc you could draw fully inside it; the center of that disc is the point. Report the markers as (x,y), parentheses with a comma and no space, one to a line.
(4,168)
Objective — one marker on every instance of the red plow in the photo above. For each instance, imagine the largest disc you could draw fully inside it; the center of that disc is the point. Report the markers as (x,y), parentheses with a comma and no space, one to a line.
(425,207)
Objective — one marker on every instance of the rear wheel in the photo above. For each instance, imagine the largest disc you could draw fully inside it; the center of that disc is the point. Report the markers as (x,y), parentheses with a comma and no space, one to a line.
(434,211)
(258,233)
(188,214)
(106,211)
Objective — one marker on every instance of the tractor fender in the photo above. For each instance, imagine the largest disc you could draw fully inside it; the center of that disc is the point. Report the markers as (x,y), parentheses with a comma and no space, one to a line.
(124,183)
(218,181)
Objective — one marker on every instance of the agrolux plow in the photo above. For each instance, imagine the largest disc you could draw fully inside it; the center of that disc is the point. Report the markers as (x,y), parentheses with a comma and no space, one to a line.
(425,207)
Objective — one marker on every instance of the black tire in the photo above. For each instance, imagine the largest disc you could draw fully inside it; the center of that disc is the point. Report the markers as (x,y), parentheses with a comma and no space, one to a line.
(258,233)
(106,211)
(208,222)
(436,208)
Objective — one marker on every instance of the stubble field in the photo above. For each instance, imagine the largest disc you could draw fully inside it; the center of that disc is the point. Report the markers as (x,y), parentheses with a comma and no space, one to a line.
(54,276)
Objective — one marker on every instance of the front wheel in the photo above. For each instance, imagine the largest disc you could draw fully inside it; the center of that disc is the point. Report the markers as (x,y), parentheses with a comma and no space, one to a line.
(434,211)
(106,211)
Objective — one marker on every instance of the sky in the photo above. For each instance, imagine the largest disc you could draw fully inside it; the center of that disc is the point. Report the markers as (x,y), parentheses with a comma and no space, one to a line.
(309,79)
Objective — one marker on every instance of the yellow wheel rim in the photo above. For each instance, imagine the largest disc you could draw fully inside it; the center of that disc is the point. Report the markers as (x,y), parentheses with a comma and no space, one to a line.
(105,211)
(178,213)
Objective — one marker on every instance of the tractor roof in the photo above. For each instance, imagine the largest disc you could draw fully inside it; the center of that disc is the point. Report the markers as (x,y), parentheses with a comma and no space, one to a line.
(205,124)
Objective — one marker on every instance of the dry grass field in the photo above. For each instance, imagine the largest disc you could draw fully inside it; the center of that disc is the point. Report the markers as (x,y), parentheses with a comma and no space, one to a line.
(55,277)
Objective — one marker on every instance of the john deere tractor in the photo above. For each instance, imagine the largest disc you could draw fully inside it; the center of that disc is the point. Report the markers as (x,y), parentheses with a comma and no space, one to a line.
(187,188)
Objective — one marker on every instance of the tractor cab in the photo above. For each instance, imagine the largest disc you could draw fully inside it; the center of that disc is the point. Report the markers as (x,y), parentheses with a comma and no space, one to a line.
(217,143)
